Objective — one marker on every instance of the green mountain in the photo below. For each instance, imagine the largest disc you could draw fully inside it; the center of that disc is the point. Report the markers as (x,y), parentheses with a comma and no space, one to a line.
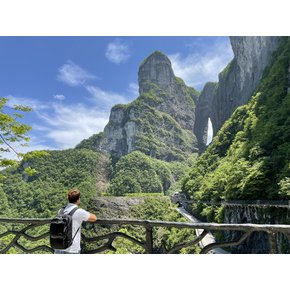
(159,123)
(150,140)
(249,157)
(237,83)
(137,173)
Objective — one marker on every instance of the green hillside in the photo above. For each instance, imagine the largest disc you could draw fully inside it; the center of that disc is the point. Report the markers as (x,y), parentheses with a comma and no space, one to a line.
(43,193)
(137,172)
(249,158)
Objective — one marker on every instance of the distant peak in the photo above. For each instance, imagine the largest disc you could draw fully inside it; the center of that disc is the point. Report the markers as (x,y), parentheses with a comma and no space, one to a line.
(156,55)
(156,68)
(158,52)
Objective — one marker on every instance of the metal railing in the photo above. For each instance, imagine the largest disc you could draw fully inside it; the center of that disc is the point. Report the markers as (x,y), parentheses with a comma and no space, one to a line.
(20,229)
(241,203)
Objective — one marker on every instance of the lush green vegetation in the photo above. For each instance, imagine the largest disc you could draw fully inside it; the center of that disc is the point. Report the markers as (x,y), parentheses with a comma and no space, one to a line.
(4,205)
(159,135)
(42,194)
(250,156)
(137,172)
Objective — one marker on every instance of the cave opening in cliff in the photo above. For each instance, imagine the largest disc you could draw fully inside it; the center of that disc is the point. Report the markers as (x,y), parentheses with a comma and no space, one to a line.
(209,132)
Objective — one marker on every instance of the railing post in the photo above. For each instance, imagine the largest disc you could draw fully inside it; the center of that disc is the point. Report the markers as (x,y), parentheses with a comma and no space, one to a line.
(149,240)
(272,242)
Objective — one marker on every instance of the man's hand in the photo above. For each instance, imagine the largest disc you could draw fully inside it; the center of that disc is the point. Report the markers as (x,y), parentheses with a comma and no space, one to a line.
(92,218)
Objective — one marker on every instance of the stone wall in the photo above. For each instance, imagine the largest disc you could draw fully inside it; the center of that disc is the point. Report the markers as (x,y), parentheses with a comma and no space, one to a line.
(258,242)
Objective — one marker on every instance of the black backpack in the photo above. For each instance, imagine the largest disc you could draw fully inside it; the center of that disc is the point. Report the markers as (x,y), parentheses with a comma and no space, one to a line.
(61,230)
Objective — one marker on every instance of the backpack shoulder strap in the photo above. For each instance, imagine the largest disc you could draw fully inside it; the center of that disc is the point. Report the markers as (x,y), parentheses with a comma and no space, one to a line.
(76,233)
(71,214)
(73,211)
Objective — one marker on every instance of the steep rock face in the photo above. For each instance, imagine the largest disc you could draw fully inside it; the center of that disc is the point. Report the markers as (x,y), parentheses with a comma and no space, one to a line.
(237,82)
(156,69)
(160,122)
(203,112)
(258,242)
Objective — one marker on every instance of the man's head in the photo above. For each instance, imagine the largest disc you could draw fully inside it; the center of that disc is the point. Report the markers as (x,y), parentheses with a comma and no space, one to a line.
(74,196)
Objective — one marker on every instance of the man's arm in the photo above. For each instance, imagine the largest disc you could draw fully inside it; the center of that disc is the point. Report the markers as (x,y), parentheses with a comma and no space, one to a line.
(92,218)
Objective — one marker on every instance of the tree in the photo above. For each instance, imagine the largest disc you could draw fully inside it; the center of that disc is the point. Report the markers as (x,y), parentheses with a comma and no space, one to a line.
(13,132)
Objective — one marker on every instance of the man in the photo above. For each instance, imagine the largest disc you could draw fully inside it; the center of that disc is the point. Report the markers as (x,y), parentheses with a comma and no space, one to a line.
(80,215)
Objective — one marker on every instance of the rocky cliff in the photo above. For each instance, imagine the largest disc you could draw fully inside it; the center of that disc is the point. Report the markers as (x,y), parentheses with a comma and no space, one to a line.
(203,112)
(237,82)
(169,120)
(258,242)
(159,123)
(249,157)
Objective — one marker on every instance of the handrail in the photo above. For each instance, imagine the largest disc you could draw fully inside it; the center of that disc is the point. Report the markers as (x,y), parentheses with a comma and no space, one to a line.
(240,203)
(147,244)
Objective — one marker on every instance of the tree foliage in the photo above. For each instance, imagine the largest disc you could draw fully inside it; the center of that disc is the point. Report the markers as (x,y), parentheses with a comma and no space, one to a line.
(13,132)
(43,193)
(137,172)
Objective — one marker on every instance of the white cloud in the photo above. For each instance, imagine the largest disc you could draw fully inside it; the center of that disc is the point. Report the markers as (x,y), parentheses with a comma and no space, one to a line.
(196,69)
(59,97)
(62,126)
(68,125)
(118,52)
(73,75)
(106,99)
(32,103)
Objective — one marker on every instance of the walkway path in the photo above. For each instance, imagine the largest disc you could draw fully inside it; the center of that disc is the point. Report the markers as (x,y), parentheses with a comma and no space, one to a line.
(208,239)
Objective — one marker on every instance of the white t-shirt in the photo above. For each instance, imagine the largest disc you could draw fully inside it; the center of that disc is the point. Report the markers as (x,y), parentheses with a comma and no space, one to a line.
(78,217)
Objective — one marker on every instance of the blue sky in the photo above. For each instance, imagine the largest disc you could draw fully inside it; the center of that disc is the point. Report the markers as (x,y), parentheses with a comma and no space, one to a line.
(72,82)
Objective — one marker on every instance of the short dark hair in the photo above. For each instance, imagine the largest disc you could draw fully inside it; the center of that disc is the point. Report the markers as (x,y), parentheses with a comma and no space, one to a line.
(73,195)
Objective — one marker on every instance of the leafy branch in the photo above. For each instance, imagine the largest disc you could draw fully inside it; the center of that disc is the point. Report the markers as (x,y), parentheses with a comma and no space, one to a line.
(13,132)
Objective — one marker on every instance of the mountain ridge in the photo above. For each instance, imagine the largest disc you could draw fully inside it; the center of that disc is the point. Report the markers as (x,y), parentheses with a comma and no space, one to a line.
(161,118)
